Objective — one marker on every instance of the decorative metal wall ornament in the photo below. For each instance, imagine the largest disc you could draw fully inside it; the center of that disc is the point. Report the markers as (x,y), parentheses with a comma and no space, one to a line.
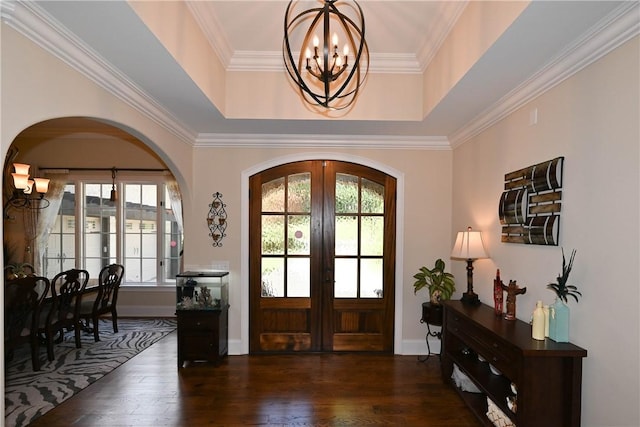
(217,219)
(321,72)
(530,206)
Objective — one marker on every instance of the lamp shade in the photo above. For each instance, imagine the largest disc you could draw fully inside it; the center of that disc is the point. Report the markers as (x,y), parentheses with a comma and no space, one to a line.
(469,245)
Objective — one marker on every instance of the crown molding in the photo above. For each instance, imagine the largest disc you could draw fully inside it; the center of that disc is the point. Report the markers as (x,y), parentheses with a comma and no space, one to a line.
(618,27)
(322,141)
(272,61)
(217,39)
(440,32)
(37,25)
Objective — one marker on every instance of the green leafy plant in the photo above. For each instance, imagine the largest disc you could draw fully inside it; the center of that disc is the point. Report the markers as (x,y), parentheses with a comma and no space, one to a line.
(441,284)
(561,288)
(18,270)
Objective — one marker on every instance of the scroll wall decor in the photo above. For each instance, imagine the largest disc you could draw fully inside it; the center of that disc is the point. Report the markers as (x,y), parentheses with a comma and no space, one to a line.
(217,219)
(530,206)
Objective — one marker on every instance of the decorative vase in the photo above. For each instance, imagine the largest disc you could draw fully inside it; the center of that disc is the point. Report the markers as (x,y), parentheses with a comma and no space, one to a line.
(559,321)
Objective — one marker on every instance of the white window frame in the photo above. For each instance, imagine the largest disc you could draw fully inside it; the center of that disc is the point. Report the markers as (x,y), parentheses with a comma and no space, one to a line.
(159,179)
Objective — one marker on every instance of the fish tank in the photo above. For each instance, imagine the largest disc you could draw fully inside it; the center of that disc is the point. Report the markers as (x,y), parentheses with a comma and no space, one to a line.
(202,290)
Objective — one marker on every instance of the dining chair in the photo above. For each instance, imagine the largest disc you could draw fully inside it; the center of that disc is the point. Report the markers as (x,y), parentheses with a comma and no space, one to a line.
(67,288)
(106,298)
(23,302)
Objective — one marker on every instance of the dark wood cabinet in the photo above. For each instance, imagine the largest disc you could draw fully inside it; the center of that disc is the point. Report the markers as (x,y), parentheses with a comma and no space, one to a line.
(202,335)
(546,374)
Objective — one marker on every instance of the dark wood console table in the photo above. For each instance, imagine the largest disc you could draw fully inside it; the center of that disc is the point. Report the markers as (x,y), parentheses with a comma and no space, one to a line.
(547,374)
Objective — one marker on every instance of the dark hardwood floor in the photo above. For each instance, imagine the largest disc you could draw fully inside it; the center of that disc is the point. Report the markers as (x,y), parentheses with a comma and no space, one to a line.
(290,390)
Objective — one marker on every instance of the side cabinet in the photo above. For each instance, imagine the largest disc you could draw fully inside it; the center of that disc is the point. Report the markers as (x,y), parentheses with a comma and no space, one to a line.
(545,375)
(202,335)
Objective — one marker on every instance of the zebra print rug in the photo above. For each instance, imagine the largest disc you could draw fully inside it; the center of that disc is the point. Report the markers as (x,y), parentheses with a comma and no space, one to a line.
(29,394)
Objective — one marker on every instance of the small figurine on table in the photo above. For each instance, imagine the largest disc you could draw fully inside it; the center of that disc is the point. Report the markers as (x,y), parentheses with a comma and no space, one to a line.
(498,294)
(512,291)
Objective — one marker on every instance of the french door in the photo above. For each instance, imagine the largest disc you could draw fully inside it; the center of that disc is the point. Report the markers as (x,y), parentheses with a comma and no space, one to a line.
(322,258)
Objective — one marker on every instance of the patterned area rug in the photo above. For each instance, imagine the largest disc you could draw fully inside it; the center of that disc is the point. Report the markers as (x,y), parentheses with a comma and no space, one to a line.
(30,394)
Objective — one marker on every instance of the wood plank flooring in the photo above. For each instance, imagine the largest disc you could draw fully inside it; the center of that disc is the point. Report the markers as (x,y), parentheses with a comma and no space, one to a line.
(290,390)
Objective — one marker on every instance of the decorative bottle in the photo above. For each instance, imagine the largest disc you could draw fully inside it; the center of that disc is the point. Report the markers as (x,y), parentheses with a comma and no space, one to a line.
(537,330)
(545,309)
(559,321)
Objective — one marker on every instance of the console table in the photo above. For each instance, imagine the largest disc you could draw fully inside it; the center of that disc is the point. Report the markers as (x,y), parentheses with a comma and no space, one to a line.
(547,375)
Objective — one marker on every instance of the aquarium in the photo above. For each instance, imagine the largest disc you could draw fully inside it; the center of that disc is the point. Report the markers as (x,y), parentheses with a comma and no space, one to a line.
(202,290)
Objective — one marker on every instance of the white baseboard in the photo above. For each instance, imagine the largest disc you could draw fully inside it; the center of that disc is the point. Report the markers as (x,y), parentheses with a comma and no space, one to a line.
(419,347)
(146,311)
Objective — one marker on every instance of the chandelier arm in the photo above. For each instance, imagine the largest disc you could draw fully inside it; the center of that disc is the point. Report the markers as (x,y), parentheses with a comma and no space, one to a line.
(289,61)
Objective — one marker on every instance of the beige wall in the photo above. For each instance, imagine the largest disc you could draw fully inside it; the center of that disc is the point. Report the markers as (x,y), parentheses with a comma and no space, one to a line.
(592,120)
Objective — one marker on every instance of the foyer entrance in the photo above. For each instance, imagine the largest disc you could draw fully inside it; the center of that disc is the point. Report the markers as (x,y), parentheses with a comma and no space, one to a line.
(321,258)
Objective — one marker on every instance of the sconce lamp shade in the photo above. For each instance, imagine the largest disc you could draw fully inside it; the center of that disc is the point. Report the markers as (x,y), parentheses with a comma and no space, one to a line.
(20,181)
(469,245)
(42,185)
(21,168)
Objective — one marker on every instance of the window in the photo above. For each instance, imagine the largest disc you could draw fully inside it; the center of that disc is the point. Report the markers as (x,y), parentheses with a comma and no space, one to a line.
(139,231)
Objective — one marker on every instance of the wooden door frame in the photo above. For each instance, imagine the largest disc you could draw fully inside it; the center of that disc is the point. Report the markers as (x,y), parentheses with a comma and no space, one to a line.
(243,346)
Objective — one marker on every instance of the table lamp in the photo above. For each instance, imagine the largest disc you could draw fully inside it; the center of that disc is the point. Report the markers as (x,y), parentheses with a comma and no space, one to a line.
(469,246)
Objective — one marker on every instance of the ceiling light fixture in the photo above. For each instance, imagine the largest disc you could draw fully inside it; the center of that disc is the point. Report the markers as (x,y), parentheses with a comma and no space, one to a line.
(322,71)
(23,188)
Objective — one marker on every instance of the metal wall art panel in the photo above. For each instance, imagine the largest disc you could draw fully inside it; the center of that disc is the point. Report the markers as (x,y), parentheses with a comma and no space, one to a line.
(529,208)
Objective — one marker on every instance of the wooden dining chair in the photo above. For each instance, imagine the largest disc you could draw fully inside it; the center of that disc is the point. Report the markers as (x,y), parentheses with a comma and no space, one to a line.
(105,301)
(23,302)
(67,288)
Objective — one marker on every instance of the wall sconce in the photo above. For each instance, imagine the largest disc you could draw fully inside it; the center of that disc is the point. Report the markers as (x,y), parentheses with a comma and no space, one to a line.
(22,194)
(469,246)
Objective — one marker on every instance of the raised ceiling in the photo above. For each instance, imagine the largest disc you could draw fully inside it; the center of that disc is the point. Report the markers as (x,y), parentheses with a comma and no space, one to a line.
(547,42)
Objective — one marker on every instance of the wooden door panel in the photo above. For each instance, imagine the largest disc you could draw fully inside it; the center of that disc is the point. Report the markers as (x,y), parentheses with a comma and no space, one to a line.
(280,320)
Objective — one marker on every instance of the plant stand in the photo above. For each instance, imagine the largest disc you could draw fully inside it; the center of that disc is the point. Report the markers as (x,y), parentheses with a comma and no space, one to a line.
(431,315)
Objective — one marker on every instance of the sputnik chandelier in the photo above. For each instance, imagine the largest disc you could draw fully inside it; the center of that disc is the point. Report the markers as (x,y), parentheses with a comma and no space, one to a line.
(325,74)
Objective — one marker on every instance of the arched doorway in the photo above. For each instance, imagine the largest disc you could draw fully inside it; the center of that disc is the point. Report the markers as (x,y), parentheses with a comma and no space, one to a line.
(322,258)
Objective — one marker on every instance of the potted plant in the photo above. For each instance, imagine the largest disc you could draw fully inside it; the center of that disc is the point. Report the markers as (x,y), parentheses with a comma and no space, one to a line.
(17,270)
(441,286)
(561,288)
(559,311)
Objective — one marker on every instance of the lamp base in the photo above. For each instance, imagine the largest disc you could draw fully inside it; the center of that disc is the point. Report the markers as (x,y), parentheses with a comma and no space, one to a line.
(470,298)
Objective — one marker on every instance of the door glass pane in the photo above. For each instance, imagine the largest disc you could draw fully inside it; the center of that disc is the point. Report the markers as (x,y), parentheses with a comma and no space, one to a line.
(140,239)
(61,243)
(172,239)
(372,197)
(273,234)
(299,194)
(99,227)
(298,235)
(149,246)
(272,277)
(273,196)
(298,277)
(149,270)
(346,278)
(371,285)
(346,235)
(372,235)
(346,193)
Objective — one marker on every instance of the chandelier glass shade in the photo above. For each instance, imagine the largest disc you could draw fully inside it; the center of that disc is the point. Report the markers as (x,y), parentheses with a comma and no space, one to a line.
(22,197)
(328,75)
